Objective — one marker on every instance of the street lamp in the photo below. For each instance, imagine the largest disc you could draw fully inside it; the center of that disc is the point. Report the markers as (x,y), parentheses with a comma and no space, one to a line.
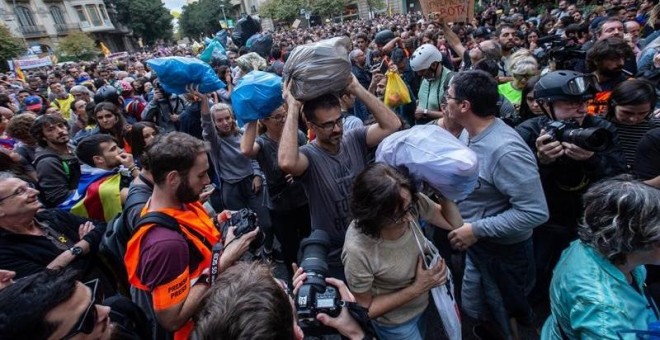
(224,16)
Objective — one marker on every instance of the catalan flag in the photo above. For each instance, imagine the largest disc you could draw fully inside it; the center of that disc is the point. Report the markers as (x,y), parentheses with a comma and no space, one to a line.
(97,196)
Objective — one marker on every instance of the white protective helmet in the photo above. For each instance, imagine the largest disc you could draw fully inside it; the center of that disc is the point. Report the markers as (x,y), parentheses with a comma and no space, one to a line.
(424,56)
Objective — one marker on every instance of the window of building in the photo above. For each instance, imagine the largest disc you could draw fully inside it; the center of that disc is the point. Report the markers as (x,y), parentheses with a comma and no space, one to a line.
(94,15)
(104,13)
(25,18)
(81,13)
(58,17)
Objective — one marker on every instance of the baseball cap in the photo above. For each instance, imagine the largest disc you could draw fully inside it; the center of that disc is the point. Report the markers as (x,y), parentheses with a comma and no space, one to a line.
(32,103)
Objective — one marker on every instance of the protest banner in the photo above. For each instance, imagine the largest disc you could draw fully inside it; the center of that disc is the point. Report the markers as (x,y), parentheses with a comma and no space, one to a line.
(30,63)
(449,10)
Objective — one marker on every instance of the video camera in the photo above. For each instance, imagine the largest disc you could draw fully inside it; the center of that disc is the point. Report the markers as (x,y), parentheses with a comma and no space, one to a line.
(563,52)
(592,139)
(315,296)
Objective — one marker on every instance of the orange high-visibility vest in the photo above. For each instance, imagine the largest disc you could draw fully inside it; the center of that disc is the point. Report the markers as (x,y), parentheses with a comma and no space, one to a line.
(171,293)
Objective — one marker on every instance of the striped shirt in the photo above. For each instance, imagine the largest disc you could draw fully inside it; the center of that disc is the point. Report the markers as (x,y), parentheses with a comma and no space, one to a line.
(630,135)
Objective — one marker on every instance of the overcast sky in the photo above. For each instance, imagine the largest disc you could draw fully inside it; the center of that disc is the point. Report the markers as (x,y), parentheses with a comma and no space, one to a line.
(174,4)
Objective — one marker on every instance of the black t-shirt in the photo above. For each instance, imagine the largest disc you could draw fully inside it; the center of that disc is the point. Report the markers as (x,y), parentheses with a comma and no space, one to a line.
(647,160)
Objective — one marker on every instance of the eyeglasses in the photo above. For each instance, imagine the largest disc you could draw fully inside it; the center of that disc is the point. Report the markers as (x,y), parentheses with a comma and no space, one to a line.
(20,191)
(280,118)
(402,215)
(454,98)
(87,320)
(331,125)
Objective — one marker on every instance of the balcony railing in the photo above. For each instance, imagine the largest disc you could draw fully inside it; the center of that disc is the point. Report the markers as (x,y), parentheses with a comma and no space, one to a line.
(66,28)
(33,31)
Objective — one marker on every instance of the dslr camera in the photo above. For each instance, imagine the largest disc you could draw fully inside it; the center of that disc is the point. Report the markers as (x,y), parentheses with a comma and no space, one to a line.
(315,296)
(245,221)
(592,139)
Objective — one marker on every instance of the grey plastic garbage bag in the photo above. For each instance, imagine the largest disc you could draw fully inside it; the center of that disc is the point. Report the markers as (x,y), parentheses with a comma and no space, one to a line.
(432,155)
(318,68)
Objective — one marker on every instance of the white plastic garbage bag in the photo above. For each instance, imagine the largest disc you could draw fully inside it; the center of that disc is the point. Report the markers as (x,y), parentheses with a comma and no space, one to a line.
(432,155)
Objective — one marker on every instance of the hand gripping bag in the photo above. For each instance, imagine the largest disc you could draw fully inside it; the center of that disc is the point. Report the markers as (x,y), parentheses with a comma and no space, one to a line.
(174,73)
(396,91)
(318,68)
(256,96)
(433,155)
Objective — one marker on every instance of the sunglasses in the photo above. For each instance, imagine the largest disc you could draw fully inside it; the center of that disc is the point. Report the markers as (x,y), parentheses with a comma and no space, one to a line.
(87,320)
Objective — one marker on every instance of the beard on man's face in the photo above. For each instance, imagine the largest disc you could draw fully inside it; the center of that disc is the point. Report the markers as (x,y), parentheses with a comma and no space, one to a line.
(185,193)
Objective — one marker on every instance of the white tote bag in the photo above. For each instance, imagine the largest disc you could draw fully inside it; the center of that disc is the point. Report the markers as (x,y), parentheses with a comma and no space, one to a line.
(443,296)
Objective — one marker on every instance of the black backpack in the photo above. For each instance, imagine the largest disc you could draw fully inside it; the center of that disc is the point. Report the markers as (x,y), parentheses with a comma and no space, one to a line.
(115,239)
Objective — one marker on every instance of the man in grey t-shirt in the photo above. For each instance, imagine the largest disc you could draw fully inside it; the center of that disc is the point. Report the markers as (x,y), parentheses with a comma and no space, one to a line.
(500,214)
(327,165)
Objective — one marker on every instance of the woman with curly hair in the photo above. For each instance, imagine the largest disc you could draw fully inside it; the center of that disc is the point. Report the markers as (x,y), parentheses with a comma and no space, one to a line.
(598,286)
(381,256)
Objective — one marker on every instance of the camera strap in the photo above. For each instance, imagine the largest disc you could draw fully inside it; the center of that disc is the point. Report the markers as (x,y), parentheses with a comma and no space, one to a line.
(361,315)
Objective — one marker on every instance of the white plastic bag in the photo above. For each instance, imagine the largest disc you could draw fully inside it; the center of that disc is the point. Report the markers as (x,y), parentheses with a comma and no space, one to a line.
(318,68)
(445,303)
(433,155)
(443,296)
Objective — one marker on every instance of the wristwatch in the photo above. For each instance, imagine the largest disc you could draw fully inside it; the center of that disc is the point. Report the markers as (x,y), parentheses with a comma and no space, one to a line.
(426,113)
(76,251)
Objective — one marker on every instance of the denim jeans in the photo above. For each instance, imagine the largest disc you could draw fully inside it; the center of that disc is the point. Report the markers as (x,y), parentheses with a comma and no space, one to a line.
(412,329)
(496,283)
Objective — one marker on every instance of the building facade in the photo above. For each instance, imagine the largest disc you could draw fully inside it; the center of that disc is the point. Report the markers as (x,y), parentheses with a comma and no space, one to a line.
(42,23)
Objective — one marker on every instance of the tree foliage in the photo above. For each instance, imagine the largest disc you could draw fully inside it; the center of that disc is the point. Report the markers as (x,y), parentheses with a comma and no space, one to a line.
(329,8)
(375,5)
(281,10)
(77,45)
(149,19)
(10,46)
(203,17)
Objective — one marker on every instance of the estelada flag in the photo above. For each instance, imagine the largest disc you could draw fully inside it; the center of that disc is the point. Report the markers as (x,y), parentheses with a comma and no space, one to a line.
(19,73)
(98,195)
(104,49)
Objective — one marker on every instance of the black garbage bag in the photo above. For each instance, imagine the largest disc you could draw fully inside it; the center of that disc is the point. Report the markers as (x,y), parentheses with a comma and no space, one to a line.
(245,28)
(260,44)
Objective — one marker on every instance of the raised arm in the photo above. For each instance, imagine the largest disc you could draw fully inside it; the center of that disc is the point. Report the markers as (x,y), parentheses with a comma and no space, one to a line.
(386,120)
(453,40)
(289,157)
(248,147)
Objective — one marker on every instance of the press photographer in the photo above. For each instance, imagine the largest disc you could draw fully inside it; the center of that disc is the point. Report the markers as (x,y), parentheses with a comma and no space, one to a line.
(168,257)
(249,303)
(573,151)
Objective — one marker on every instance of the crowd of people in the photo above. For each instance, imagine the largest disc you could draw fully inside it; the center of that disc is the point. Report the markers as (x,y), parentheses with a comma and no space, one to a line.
(558,104)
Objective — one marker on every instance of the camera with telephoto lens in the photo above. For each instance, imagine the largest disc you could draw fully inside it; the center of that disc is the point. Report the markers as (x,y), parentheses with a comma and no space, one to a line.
(591,139)
(245,221)
(315,296)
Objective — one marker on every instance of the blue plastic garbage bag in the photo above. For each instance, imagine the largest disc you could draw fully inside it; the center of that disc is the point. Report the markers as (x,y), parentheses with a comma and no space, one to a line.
(214,49)
(175,73)
(221,36)
(431,154)
(256,96)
